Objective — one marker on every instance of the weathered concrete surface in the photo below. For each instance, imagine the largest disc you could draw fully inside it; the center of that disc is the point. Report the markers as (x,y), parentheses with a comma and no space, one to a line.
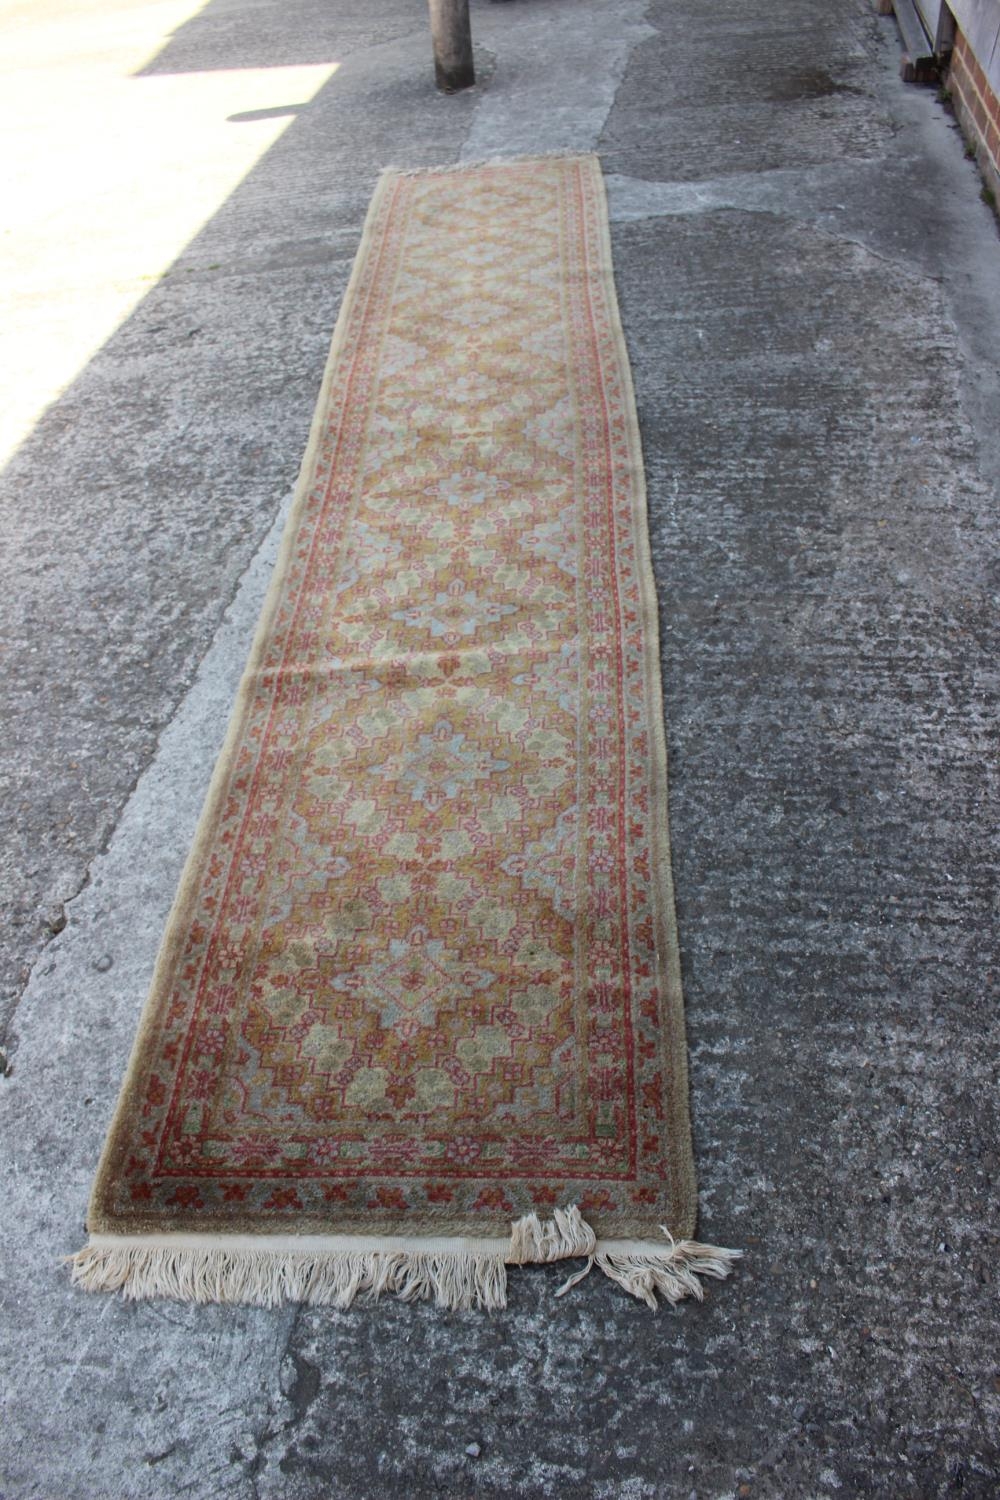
(811,294)
(138,500)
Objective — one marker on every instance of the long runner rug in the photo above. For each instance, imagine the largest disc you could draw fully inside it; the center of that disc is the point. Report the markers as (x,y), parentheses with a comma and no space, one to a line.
(417,1014)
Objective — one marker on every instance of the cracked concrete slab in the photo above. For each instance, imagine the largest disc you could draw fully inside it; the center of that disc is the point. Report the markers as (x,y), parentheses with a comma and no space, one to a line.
(553,89)
(809,285)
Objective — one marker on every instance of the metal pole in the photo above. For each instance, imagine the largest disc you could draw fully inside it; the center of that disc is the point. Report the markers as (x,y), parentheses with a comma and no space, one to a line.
(452,37)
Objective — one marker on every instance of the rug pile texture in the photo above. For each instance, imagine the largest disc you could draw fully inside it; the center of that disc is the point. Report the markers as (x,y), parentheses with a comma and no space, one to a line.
(417,1014)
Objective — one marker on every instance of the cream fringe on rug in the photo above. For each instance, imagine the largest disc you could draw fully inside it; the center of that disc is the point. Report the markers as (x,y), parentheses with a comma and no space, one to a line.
(268,1270)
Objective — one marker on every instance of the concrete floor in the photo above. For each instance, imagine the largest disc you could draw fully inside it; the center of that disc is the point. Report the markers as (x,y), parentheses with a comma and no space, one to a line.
(811,294)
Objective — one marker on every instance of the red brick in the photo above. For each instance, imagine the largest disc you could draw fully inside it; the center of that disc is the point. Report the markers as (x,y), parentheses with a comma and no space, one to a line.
(979,115)
(992,139)
(979,77)
(955,85)
(959,74)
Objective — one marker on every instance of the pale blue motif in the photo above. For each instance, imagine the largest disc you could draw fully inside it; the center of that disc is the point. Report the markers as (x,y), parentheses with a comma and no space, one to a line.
(441,765)
(372,552)
(549,864)
(558,680)
(417,978)
(470,487)
(454,613)
(556,541)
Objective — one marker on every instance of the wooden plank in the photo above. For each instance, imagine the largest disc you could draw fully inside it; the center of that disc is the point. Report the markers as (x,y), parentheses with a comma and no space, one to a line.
(919,48)
(929,12)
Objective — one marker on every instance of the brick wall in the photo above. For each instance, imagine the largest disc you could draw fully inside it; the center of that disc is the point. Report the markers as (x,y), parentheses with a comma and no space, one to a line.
(978,109)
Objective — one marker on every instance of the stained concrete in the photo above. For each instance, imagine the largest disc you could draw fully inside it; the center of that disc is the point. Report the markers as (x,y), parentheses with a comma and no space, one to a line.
(811,295)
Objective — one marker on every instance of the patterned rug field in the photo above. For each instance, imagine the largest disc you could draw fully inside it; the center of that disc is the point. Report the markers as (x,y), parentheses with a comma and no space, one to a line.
(417,1013)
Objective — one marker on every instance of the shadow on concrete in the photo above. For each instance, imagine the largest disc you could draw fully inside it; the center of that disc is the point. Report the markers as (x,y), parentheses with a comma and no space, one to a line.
(138,500)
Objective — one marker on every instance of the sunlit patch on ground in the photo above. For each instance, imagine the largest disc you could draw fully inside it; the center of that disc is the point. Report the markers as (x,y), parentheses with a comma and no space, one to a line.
(106,174)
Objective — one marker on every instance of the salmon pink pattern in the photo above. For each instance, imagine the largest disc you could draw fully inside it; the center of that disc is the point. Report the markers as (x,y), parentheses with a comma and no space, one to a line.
(421,977)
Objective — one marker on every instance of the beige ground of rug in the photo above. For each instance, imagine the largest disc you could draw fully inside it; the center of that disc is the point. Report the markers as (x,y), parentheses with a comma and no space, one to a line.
(417,1013)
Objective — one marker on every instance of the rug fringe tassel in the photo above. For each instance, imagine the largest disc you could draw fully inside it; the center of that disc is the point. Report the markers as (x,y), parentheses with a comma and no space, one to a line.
(267,1278)
(563,1237)
(455,1279)
(673,1271)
